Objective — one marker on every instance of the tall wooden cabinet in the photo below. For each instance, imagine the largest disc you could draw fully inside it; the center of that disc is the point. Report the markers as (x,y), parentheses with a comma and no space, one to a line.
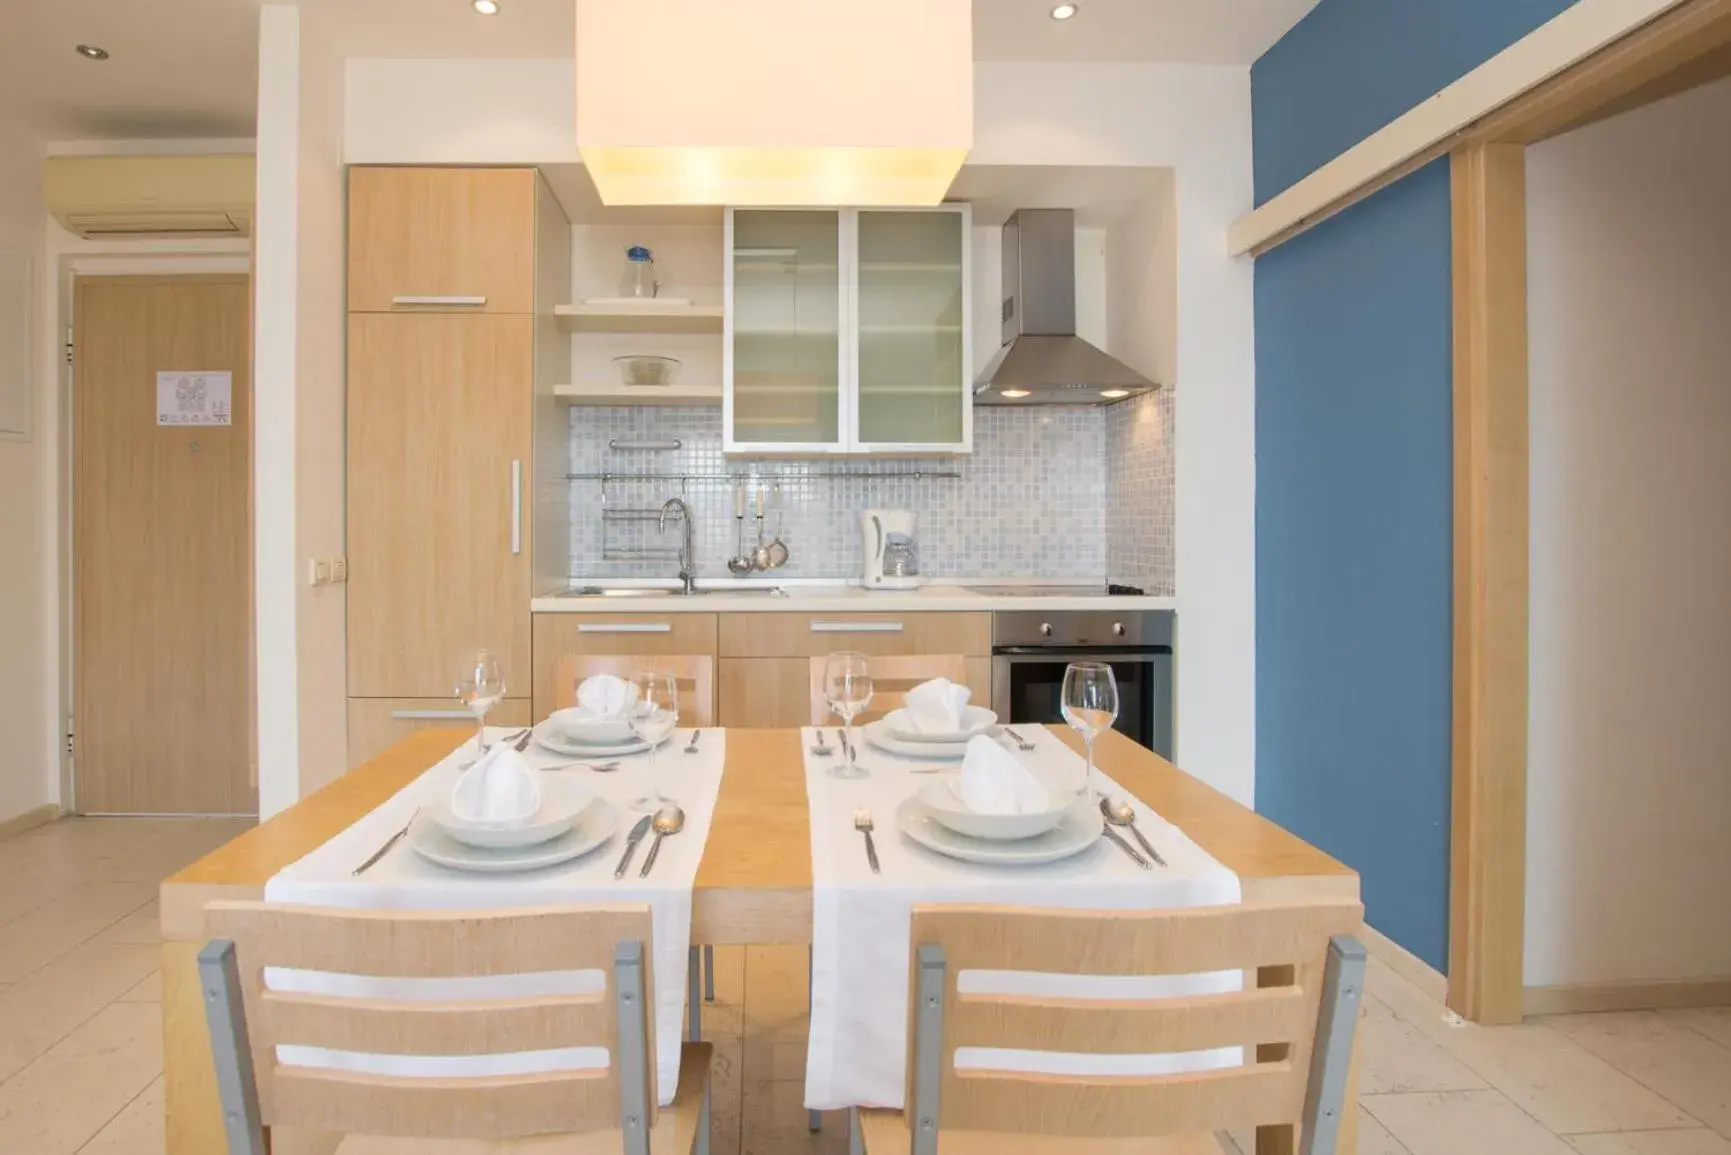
(449,305)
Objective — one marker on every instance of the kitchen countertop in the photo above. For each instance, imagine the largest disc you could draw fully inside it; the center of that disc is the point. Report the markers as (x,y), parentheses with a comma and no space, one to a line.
(823,599)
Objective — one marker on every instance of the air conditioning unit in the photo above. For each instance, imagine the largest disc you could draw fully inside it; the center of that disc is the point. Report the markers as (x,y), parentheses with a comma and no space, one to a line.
(134,196)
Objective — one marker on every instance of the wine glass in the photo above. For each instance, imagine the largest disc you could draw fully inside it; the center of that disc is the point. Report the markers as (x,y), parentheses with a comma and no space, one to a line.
(654,713)
(480,686)
(847,687)
(1090,704)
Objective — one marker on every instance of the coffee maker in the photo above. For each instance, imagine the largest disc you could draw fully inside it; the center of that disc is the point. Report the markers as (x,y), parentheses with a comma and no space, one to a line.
(892,556)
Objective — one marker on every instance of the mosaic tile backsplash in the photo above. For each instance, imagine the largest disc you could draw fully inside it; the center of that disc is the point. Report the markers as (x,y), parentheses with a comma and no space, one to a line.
(1030,502)
(1140,522)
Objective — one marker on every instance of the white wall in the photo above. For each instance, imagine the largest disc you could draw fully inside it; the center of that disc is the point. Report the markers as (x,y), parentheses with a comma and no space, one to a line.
(1629,748)
(1194,119)
(298,342)
(29,761)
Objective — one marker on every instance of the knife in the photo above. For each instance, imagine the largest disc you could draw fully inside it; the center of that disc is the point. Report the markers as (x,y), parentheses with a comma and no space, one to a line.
(631,841)
(522,743)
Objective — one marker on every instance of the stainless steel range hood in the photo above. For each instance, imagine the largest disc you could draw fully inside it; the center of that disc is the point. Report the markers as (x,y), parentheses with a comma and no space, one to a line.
(1042,361)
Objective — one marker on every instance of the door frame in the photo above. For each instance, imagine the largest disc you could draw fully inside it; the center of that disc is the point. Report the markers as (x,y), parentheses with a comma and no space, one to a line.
(68,259)
(1688,46)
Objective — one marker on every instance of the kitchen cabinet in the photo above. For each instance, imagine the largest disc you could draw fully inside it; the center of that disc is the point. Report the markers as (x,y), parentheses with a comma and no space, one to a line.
(847,331)
(442,239)
(558,635)
(456,455)
(796,635)
(439,437)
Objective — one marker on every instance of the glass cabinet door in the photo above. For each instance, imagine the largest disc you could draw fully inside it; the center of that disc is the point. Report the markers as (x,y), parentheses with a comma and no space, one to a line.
(786,328)
(911,310)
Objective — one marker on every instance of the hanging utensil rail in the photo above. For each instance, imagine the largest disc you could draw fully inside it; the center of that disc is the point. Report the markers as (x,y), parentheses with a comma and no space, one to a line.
(682,478)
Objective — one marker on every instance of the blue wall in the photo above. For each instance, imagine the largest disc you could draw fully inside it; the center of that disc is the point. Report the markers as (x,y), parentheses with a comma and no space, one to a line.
(1354,469)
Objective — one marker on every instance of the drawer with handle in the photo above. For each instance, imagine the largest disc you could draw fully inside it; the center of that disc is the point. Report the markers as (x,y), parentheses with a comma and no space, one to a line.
(377,724)
(786,635)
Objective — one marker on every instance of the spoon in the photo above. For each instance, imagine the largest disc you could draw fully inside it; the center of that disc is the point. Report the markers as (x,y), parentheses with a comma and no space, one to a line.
(778,551)
(668,820)
(821,750)
(1120,813)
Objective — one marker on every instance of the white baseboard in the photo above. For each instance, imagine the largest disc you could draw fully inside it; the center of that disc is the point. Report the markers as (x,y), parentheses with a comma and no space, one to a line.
(1665,994)
(1406,964)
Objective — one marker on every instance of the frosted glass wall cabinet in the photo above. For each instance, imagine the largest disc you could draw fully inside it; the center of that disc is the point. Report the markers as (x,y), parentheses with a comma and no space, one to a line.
(848,332)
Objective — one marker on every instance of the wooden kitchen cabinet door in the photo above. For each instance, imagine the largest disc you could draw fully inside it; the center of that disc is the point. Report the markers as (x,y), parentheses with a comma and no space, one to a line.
(765,692)
(377,724)
(438,456)
(442,240)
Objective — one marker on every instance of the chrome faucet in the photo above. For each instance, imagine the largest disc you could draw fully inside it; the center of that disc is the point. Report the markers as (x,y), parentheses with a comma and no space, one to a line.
(687,559)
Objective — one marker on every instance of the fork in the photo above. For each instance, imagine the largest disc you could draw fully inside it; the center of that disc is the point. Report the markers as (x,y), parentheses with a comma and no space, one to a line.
(598,767)
(1021,743)
(397,837)
(862,822)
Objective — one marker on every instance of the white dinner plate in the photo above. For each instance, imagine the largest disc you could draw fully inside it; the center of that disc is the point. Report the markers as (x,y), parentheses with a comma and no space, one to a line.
(878,734)
(975,720)
(590,830)
(548,738)
(1076,831)
(562,800)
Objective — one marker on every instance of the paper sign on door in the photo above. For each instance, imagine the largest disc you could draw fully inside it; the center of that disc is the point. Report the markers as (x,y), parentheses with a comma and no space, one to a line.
(194,398)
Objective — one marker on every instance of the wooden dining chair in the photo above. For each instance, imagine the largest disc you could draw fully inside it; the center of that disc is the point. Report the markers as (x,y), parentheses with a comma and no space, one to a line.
(1297,1038)
(591,1107)
(694,674)
(892,678)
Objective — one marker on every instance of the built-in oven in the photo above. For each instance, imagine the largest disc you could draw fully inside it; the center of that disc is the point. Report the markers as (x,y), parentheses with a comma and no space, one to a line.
(1032,648)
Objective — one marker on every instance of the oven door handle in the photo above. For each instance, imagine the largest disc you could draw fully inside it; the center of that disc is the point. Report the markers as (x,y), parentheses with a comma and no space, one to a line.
(1019,655)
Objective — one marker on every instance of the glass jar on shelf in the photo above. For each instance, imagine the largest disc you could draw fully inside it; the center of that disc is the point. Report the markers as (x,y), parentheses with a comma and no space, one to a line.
(640,281)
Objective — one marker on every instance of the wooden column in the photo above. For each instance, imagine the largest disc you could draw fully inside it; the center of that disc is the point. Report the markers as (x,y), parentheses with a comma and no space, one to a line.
(1487,892)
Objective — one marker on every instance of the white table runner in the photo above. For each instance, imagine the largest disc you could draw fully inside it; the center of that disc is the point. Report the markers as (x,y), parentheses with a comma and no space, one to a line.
(861,925)
(402,880)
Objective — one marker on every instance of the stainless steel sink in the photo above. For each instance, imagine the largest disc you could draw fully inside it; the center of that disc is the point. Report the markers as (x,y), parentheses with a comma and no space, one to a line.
(635,592)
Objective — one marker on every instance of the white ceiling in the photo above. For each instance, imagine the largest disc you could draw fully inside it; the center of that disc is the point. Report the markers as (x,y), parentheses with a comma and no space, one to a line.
(188,68)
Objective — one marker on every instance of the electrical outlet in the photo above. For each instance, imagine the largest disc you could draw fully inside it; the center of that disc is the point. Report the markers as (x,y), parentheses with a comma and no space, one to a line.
(319,572)
(339,570)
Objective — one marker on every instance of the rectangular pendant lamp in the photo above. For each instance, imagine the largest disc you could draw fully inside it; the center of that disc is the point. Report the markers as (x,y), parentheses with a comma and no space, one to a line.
(774,102)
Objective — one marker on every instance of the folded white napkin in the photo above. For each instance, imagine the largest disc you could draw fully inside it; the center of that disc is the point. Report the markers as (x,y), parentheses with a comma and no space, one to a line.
(937,706)
(994,781)
(500,789)
(605,696)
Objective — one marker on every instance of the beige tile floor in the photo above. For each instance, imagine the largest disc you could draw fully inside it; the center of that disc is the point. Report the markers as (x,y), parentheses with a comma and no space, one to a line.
(81,1056)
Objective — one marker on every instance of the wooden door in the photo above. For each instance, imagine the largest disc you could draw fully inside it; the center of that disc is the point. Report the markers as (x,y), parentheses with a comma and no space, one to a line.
(161,549)
(438,458)
(442,239)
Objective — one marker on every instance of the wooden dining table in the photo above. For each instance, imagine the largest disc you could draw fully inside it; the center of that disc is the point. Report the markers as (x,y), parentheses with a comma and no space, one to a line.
(753,884)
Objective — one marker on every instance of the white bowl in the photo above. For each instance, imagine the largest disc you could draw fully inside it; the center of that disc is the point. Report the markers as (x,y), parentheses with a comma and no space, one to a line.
(947,807)
(563,800)
(975,720)
(578,725)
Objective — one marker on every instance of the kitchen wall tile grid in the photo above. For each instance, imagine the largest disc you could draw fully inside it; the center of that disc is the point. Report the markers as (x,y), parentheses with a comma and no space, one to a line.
(1031,501)
(1140,521)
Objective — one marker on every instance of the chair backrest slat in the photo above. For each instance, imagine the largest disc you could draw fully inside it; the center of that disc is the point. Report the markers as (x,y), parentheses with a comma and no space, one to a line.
(1130,1027)
(892,678)
(611,939)
(693,674)
(347,1103)
(1276,1025)
(437,1028)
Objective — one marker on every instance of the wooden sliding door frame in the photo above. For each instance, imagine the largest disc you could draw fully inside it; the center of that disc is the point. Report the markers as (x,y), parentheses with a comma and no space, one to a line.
(1689,45)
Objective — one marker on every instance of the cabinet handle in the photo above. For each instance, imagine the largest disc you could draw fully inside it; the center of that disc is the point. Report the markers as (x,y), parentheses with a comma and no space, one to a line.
(516,508)
(432,715)
(856,627)
(466,302)
(626,628)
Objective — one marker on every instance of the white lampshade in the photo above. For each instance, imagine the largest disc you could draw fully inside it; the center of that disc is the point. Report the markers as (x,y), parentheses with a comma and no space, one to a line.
(774,102)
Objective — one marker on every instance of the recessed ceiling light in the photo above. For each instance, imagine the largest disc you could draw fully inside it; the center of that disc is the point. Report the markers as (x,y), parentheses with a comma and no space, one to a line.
(1065,11)
(1012,393)
(486,7)
(1114,394)
(91,52)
